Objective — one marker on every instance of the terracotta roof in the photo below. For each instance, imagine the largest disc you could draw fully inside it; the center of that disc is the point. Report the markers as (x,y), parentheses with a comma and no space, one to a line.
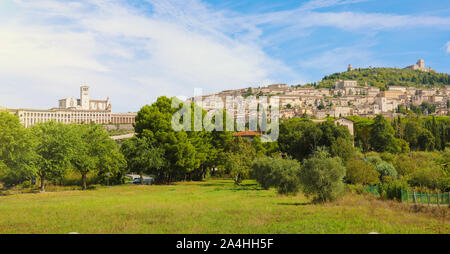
(247,133)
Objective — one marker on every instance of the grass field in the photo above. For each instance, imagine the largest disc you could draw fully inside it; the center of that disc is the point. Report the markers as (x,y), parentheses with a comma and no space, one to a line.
(213,206)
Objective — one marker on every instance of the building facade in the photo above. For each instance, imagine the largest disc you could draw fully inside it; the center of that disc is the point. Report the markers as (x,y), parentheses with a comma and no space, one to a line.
(73,110)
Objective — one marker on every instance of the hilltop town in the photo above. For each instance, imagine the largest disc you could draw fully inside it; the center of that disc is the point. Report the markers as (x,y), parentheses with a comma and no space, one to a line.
(349,97)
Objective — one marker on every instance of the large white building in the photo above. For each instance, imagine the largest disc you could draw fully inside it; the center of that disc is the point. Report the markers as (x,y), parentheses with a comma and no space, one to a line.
(72,110)
(84,102)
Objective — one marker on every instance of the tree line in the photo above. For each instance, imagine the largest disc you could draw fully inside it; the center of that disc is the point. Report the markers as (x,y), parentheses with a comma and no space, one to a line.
(315,158)
(47,151)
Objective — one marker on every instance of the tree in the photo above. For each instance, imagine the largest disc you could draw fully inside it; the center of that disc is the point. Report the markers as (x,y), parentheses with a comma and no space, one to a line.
(322,176)
(258,145)
(299,138)
(362,133)
(412,133)
(342,148)
(237,161)
(382,136)
(155,123)
(55,148)
(143,158)
(94,151)
(360,172)
(426,140)
(16,151)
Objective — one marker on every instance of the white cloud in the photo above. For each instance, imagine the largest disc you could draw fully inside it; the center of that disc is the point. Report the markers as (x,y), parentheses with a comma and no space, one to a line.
(448,46)
(50,48)
(318,4)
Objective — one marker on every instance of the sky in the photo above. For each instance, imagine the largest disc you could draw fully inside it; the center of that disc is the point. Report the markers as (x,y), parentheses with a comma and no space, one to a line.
(133,51)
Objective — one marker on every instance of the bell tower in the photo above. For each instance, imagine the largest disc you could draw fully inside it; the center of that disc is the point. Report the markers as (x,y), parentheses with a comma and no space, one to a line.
(84,97)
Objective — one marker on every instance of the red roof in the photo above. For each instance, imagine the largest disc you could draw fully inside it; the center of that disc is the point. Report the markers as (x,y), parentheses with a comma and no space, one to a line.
(247,133)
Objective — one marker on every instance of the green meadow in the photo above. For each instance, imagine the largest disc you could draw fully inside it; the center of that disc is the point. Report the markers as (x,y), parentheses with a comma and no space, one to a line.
(212,206)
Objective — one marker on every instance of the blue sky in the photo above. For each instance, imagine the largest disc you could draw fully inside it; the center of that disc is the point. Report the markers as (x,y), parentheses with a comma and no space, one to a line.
(136,50)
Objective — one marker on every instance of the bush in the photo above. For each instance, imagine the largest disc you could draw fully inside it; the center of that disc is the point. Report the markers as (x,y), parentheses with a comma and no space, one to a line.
(386,170)
(430,177)
(321,177)
(374,160)
(262,172)
(360,172)
(392,190)
(283,174)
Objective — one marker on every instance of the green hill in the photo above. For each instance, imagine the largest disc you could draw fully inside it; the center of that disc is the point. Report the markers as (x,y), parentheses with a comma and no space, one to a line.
(385,77)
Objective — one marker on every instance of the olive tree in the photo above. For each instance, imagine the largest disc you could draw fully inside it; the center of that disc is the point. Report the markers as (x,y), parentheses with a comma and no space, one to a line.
(322,176)
(283,174)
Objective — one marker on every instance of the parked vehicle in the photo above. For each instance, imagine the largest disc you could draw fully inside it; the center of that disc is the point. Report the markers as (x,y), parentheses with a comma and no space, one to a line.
(147,180)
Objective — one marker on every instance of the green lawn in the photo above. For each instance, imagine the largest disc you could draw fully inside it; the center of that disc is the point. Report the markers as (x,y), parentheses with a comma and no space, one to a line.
(214,206)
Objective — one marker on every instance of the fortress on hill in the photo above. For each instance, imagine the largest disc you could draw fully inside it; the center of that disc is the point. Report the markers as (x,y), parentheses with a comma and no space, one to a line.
(346,98)
(420,65)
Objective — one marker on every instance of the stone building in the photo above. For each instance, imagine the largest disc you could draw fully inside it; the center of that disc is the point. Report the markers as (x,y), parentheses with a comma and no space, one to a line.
(420,65)
(71,110)
(345,122)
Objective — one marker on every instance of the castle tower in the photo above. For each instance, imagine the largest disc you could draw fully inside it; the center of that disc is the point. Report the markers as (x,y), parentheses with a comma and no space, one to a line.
(350,67)
(421,63)
(84,97)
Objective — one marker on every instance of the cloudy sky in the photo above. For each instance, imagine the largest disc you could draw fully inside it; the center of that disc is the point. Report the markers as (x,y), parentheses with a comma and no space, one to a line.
(136,50)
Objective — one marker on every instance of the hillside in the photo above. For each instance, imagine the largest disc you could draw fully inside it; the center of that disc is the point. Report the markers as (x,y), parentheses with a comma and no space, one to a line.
(385,77)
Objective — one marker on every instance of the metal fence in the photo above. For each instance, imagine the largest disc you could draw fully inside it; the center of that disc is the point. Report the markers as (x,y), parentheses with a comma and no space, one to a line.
(416,197)
(371,189)
(426,198)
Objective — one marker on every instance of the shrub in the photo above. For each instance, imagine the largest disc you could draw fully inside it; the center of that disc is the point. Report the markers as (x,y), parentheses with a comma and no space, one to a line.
(386,170)
(321,177)
(430,177)
(262,172)
(374,160)
(283,174)
(392,190)
(388,157)
(360,172)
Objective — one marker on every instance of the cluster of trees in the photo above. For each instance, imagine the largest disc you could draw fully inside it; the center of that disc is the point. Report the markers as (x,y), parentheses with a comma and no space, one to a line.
(328,160)
(320,177)
(312,160)
(175,155)
(315,158)
(401,134)
(49,150)
(424,171)
(385,77)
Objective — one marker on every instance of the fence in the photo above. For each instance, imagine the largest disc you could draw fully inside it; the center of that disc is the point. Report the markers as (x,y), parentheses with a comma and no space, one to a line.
(426,198)
(371,189)
(416,197)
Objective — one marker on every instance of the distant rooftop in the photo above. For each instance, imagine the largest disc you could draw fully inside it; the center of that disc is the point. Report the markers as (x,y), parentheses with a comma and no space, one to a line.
(247,134)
